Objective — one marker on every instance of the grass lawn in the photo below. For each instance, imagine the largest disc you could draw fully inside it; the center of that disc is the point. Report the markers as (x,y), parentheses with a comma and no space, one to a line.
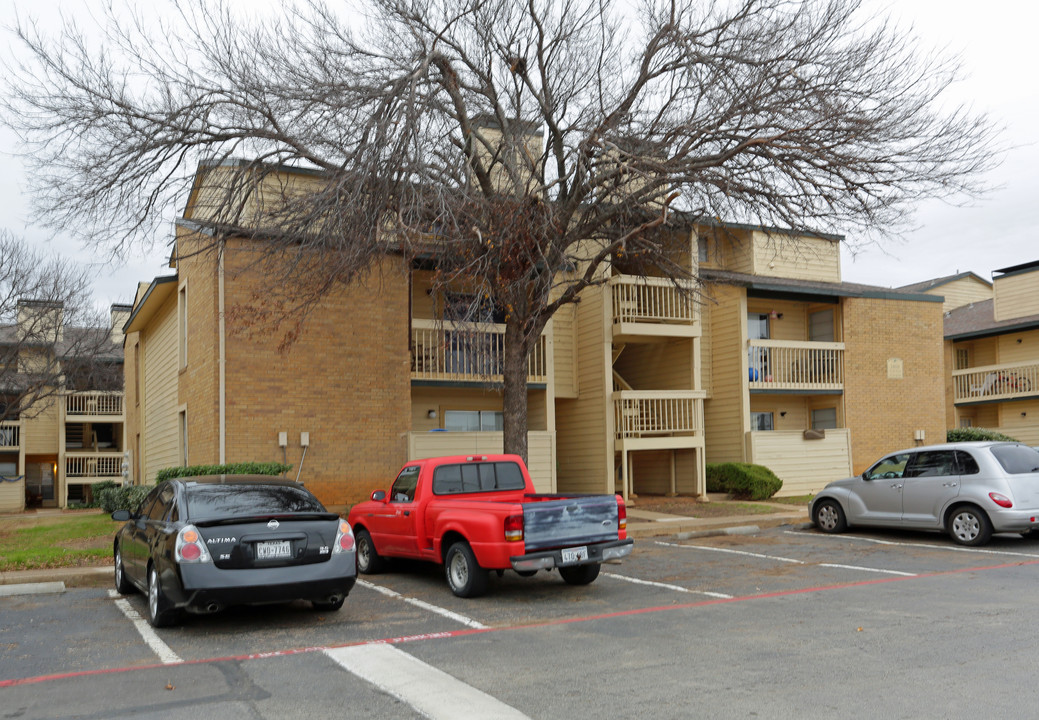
(690,507)
(53,541)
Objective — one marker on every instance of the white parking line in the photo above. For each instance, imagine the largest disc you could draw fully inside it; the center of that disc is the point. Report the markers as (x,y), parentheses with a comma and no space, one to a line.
(467,621)
(431,692)
(166,655)
(665,586)
(954,548)
(793,561)
(735,552)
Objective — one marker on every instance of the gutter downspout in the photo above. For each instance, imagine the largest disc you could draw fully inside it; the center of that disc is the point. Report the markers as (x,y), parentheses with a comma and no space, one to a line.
(222,359)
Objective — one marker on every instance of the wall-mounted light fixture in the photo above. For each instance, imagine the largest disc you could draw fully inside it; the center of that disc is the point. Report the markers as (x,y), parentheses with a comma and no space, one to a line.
(1019,340)
(776,315)
(782,413)
(1024,414)
(432,414)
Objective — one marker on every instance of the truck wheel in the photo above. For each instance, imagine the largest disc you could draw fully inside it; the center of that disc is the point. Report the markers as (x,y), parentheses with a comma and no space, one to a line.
(464,575)
(369,561)
(580,574)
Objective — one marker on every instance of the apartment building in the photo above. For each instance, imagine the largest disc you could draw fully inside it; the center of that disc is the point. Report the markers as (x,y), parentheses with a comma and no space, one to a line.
(52,453)
(633,390)
(992,357)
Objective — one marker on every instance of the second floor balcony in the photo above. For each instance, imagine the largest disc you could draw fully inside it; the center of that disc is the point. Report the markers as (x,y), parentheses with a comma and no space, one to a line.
(791,366)
(991,383)
(80,466)
(467,352)
(10,434)
(653,306)
(95,405)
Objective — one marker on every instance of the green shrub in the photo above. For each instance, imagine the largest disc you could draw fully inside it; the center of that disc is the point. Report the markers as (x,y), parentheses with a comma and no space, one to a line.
(254,468)
(114,497)
(743,481)
(975,433)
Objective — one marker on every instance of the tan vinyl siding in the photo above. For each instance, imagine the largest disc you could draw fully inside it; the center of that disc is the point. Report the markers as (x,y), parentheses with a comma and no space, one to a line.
(563,334)
(962,292)
(652,471)
(12,496)
(40,433)
(1020,420)
(160,404)
(802,258)
(584,459)
(1016,295)
(725,414)
(804,466)
(539,451)
(1020,347)
(657,366)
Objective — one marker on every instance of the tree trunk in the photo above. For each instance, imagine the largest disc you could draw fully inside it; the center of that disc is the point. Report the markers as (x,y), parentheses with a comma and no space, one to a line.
(514,372)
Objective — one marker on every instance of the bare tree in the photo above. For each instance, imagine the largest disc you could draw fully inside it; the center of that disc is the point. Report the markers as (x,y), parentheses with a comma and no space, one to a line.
(523,145)
(52,339)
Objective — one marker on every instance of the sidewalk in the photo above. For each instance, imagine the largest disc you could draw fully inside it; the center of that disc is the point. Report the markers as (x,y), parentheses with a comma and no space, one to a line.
(641,524)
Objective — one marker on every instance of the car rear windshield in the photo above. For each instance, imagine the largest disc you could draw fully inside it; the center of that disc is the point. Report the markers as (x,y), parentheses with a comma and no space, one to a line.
(206,502)
(477,477)
(1017,459)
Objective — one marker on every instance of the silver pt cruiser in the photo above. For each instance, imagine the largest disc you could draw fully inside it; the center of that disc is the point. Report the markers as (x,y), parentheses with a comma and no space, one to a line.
(969,490)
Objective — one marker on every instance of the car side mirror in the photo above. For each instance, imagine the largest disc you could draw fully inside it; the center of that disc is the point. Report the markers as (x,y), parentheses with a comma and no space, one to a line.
(121,515)
(866,477)
(379,496)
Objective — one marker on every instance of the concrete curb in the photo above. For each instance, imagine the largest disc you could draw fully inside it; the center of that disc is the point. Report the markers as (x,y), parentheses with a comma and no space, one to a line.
(68,577)
(40,588)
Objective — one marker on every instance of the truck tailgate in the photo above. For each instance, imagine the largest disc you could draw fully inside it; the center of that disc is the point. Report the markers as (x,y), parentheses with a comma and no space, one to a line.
(569,521)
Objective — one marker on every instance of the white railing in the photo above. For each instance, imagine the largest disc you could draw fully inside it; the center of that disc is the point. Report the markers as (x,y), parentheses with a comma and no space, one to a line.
(92,465)
(996,382)
(94,403)
(638,413)
(467,351)
(10,434)
(652,300)
(795,365)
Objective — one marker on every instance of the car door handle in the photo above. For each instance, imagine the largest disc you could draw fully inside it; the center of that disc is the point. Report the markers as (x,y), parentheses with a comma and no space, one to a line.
(949,484)
(896,485)
(406,513)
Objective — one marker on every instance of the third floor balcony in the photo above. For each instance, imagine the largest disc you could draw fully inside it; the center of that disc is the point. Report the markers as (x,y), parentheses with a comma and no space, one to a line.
(652,307)
(991,383)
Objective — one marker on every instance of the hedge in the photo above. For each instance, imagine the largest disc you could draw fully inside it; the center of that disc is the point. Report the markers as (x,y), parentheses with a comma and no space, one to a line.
(743,481)
(114,497)
(975,433)
(253,468)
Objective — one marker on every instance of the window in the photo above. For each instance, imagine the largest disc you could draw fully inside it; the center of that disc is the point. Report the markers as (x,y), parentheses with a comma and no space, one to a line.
(137,374)
(966,422)
(403,489)
(182,325)
(474,420)
(962,358)
(892,466)
(477,477)
(1017,459)
(932,464)
(182,426)
(968,465)
(761,421)
(820,326)
(824,419)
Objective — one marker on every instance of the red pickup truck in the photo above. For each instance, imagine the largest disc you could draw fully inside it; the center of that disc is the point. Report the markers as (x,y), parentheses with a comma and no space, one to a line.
(473,514)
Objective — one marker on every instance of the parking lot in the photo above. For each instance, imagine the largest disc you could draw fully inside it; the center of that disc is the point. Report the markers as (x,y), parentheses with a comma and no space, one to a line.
(672,622)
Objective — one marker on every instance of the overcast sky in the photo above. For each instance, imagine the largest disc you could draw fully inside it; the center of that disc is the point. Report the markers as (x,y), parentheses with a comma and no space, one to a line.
(996,42)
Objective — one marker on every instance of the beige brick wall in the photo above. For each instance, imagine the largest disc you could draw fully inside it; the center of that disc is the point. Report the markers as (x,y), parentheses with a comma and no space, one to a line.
(345,380)
(882,410)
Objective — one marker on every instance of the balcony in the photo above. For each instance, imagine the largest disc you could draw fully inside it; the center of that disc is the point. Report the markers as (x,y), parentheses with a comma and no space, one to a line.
(792,366)
(102,406)
(467,352)
(658,413)
(653,307)
(992,383)
(82,467)
(10,434)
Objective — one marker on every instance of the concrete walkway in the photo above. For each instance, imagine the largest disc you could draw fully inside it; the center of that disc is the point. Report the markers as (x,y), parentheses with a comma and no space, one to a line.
(641,524)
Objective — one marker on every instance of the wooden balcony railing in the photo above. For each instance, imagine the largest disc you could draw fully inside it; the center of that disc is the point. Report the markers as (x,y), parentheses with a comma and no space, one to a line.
(638,413)
(467,351)
(87,404)
(651,300)
(93,465)
(10,434)
(996,382)
(795,365)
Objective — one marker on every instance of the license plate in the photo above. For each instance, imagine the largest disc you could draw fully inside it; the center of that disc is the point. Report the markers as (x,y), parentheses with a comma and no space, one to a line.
(573,555)
(273,550)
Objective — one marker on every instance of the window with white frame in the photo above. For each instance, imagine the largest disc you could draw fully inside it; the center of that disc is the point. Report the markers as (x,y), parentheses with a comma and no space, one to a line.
(761,421)
(824,419)
(473,420)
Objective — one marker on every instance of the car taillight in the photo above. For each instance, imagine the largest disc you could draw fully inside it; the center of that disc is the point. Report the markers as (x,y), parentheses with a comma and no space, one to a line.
(622,515)
(514,528)
(190,547)
(1001,500)
(344,538)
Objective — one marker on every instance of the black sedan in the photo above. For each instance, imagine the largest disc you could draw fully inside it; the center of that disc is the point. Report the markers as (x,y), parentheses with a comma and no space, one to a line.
(200,544)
